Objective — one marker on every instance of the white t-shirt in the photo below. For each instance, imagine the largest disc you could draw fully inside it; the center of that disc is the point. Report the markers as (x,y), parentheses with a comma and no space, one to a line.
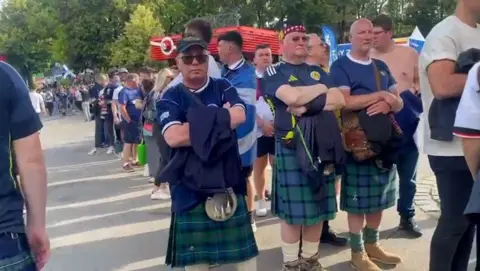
(213,71)
(467,121)
(447,40)
(37,102)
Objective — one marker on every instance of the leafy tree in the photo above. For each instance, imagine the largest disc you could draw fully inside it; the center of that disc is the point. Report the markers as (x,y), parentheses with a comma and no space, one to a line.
(131,48)
(27,46)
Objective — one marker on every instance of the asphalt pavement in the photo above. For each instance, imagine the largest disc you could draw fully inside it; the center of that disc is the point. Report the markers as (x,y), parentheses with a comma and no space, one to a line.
(102,219)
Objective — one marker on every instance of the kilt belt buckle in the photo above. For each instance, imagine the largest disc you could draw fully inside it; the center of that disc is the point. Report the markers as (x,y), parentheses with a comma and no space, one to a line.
(221,206)
(328,169)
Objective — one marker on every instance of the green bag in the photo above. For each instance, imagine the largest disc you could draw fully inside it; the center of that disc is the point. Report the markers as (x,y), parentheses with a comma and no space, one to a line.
(142,154)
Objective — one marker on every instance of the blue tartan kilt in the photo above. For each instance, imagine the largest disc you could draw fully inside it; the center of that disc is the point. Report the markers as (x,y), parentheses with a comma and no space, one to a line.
(196,239)
(292,197)
(366,188)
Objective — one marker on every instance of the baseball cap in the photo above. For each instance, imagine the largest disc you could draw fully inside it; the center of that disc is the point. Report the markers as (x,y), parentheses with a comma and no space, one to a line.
(122,70)
(186,43)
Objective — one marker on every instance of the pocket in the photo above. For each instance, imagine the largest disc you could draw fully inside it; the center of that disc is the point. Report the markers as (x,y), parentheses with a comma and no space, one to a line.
(11,245)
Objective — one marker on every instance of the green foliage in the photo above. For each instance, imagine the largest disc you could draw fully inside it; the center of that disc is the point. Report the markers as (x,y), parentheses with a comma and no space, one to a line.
(98,34)
(131,48)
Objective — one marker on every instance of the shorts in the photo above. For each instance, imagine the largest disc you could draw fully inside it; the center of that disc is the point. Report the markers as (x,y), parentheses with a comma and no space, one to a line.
(131,132)
(265,145)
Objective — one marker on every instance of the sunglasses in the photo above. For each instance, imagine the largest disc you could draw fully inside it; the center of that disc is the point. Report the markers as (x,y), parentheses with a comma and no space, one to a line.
(188,59)
(297,39)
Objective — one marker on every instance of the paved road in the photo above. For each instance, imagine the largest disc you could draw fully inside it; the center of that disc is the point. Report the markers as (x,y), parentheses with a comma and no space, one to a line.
(101,219)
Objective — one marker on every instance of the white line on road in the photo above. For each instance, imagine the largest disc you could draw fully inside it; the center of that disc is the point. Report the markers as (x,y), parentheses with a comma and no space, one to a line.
(79,166)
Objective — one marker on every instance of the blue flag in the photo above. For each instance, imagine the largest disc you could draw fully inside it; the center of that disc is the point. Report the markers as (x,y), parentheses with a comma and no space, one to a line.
(330,39)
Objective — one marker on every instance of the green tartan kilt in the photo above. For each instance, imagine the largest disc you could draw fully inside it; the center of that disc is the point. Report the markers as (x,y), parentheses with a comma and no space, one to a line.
(367,189)
(196,239)
(292,197)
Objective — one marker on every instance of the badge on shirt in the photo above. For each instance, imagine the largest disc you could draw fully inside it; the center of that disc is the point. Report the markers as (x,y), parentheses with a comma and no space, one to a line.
(315,75)
(164,115)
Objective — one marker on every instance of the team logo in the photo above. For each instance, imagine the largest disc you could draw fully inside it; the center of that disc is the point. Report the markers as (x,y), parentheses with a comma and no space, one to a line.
(315,75)
(292,78)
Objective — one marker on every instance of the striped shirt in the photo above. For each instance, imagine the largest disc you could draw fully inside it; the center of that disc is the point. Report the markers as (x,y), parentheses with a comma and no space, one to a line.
(243,78)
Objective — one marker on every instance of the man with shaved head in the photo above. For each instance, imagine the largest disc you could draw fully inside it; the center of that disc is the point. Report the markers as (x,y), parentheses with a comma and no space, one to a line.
(296,88)
(368,187)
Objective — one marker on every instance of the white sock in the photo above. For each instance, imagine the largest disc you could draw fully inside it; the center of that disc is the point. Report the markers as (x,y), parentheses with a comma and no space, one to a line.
(290,251)
(309,249)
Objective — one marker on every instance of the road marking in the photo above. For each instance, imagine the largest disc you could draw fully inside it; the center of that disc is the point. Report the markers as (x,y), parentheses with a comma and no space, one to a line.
(79,166)
(115,176)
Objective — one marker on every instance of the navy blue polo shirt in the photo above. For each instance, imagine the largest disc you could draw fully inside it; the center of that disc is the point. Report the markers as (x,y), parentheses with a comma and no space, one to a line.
(172,110)
(18,120)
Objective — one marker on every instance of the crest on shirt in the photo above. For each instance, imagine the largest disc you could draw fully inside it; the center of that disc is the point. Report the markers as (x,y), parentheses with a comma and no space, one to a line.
(164,115)
(315,75)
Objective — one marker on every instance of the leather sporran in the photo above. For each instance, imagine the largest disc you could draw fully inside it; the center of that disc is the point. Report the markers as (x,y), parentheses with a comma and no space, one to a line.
(354,138)
(221,206)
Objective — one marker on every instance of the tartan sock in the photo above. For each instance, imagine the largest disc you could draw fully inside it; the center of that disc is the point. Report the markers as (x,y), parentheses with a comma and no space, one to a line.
(356,242)
(290,251)
(371,235)
(309,249)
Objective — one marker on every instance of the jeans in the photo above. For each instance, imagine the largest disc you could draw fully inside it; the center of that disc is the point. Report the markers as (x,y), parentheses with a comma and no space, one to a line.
(407,172)
(453,237)
(108,127)
(15,253)
(99,131)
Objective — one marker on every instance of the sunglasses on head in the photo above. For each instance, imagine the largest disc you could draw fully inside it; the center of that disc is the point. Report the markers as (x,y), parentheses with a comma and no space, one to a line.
(297,38)
(188,59)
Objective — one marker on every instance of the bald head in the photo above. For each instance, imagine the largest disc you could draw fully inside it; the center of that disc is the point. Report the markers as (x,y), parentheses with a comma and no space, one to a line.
(361,36)
(359,24)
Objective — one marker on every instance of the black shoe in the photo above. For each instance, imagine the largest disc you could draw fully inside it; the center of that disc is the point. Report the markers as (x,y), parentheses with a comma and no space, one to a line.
(411,227)
(333,239)
(268,196)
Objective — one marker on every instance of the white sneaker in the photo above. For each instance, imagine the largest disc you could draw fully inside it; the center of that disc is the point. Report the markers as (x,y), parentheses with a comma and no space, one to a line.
(160,194)
(110,150)
(261,208)
(146,172)
(151,180)
(93,151)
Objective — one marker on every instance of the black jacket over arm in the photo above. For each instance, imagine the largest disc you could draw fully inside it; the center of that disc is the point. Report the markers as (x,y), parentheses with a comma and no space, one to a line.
(212,163)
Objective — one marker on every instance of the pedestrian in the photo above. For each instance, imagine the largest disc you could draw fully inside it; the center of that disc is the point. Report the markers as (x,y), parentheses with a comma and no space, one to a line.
(37,102)
(49,101)
(100,83)
(205,231)
(22,247)
(442,88)
(295,200)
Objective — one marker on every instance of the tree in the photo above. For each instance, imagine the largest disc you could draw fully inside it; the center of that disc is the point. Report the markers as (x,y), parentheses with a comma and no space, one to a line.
(130,49)
(25,35)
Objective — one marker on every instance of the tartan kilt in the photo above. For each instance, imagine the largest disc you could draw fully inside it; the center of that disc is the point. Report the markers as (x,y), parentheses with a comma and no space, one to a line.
(366,188)
(196,239)
(293,200)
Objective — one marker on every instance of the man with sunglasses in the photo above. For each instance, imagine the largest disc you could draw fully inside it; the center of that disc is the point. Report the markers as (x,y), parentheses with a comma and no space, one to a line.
(197,241)
(242,76)
(203,30)
(319,55)
(295,88)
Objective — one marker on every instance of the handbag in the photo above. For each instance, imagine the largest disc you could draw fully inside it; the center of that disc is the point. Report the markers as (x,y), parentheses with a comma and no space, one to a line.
(142,153)
(354,138)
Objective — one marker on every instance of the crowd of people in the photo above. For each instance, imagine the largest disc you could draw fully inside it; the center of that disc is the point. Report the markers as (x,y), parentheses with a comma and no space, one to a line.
(335,136)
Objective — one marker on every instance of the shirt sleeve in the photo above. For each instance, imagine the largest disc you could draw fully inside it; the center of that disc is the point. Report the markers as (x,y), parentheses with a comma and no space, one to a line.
(272,80)
(122,97)
(467,121)
(213,69)
(437,47)
(24,121)
(230,95)
(169,112)
(339,76)
(116,92)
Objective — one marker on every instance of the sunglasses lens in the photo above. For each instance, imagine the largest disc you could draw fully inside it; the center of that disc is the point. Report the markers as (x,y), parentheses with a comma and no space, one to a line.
(201,58)
(188,60)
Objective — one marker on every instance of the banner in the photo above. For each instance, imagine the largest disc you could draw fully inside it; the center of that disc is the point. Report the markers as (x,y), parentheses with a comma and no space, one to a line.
(331,39)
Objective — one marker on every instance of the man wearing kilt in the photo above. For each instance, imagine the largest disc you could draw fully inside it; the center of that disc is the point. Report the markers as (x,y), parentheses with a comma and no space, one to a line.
(197,238)
(367,189)
(293,86)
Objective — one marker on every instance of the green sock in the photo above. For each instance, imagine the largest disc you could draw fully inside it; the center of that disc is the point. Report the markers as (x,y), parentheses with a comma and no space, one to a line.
(371,235)
(356,242)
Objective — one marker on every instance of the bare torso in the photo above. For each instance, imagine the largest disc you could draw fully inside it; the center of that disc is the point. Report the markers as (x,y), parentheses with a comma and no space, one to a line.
(402,62)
